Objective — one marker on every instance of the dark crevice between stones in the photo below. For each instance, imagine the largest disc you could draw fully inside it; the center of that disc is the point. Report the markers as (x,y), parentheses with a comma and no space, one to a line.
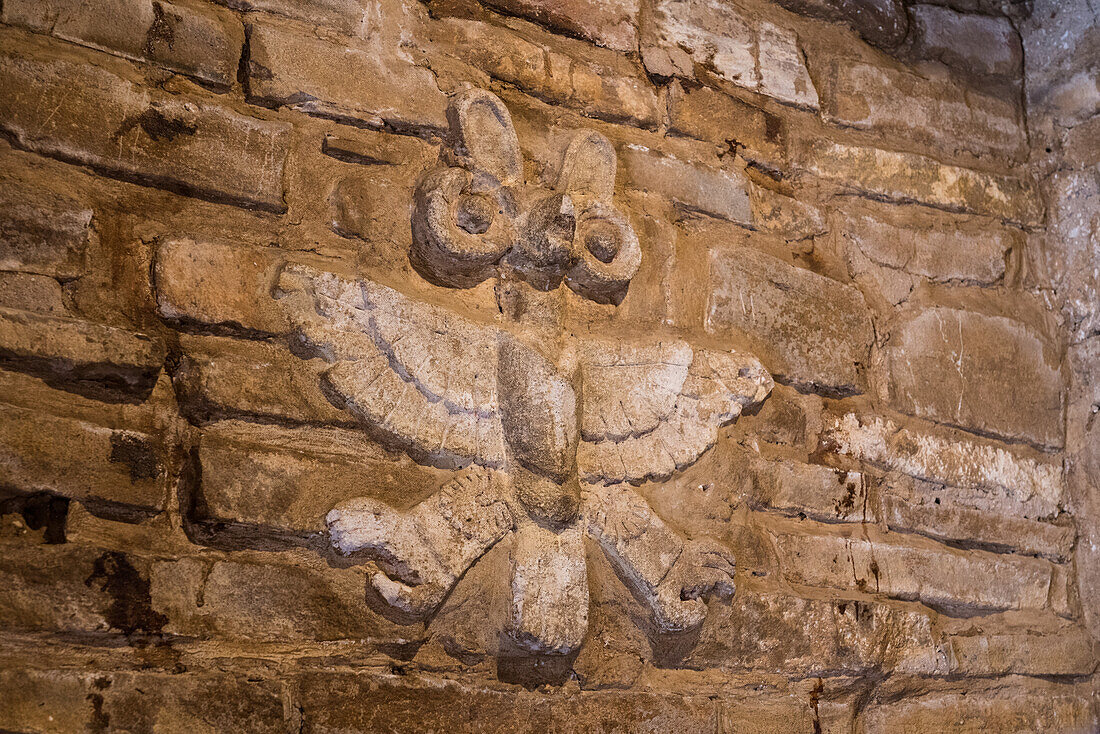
(39,510)
(103,381)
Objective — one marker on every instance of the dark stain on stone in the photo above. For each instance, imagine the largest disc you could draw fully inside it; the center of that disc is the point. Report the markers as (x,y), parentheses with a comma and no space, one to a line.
(815,697)
(773,128)
(100,721)
(137,454)
(158,126)
(41,510)
(131,609)
(161,31)
(847,503)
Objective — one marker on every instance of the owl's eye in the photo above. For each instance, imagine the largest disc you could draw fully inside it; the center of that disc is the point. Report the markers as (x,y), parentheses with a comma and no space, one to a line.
(603,240)
(475,212)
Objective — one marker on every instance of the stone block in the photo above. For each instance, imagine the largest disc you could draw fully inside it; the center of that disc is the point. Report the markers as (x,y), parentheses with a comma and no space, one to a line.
(596,82)
(94,358)
(818,492)
(1035,649)
(405,702)
(268,602)
(707,114)
(941,248)
(984,373)
(959,582)
(906,178)
(219,378)
(41,232)
(772,632)
(608,23)
(70,588)
(1031,707)
(80,460)
(350,17)
(30,292)
(69,700)
(1011,481)
(809,330)
(107,122)
(219,284)
(372,83)
(197,40)
(883,23)
(287,479)
(739,47)
(969,42)
(943,116)
(721,192)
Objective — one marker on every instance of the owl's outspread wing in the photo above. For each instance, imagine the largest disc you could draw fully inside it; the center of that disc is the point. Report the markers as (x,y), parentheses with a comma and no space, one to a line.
(417,373)
(649,409)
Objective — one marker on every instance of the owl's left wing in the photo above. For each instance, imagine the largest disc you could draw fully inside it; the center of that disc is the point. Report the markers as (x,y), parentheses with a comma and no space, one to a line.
(649,409)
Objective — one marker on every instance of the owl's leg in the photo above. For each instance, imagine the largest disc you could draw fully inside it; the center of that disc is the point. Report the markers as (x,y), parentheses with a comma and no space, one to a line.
(549,589)
(423,551)
(671,574)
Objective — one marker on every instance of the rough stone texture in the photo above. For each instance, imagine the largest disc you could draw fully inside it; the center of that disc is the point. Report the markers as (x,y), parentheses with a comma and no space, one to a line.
(111,124)
(199,41)
(289,66)
(767,302)
(404,366)
(933,360)
(975,44)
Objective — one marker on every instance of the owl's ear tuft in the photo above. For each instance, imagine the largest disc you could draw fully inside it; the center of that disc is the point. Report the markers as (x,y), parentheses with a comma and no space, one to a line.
(486,138)
(589,166)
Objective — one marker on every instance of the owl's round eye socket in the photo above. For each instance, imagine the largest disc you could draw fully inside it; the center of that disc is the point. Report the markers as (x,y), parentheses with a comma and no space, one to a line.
(603,240)
(474,213)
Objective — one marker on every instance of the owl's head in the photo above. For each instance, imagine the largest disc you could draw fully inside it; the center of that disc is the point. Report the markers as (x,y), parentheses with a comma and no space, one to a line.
(476,216)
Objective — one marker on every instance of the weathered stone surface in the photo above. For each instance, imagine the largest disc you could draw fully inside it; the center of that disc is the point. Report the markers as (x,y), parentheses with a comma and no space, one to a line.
(1014,482)
(29,292)
(218,284)
(972,43)
(266,602)
(197,40)
(94,358)
(598,83)
(375,83)
(73,700)
(219,378)
(741,49)
(981,648)
(941,249)
(41,232)
(255,474)
(401,703)
(1030,707)
(707,114)
(75,589)
(114,126)
(943,519)
(882,22)
(777,632)
(80,460)
(720,192)
(811,330)
(609,23)
(985,373)
(819,492)
(944,117)
(938,576)
(906,178)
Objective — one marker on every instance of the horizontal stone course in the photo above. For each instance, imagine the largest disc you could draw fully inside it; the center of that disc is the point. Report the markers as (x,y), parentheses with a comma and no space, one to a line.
(809,330)
(42,232)
(970,42)
(989,374)
(608,23)
(373,83)
(195,39)
(106,121)
(957,582)
(720,192)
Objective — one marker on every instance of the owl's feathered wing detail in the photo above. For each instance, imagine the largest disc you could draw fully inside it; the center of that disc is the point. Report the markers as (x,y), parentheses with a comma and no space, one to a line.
(418,373)
(649,409)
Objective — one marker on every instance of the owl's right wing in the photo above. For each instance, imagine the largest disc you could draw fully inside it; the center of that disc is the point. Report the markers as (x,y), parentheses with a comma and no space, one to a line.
(418,373)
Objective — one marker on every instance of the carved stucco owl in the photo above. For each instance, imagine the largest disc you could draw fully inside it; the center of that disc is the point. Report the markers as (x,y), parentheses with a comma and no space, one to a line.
(546,434)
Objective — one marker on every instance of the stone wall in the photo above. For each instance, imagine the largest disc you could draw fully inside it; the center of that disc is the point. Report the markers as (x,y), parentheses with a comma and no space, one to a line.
(894,207)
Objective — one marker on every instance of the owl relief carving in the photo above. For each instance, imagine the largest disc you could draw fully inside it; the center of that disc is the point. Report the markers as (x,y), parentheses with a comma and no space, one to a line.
(547,436)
